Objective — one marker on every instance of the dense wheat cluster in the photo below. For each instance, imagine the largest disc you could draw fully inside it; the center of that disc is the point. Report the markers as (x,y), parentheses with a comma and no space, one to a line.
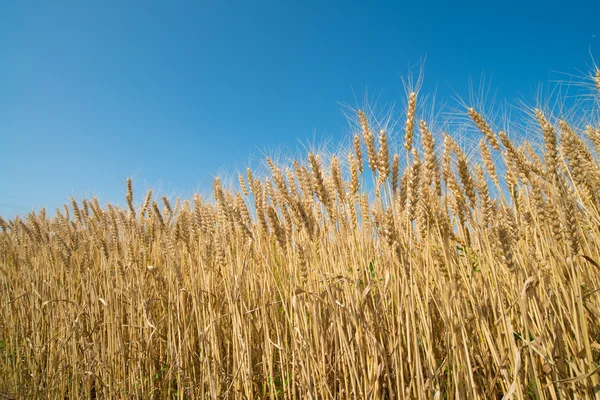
(426,273)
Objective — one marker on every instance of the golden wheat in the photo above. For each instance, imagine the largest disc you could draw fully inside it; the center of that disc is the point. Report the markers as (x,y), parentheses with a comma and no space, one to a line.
(304,284)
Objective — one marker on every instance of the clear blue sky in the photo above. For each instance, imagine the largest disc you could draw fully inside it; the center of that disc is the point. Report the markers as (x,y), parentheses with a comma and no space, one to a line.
(172,93)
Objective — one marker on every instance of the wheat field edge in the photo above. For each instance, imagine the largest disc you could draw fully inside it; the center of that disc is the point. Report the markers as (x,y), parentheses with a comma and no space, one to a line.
(412,271)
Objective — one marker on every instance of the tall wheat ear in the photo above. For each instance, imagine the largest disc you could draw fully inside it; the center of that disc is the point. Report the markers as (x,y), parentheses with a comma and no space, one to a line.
(483,126)
(410,121)
(369,139)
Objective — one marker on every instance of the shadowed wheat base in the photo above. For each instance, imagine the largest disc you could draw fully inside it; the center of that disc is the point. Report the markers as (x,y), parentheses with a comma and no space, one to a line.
(307,285)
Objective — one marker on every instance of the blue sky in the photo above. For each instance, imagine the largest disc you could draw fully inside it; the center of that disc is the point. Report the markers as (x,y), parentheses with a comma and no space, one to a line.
(173,93)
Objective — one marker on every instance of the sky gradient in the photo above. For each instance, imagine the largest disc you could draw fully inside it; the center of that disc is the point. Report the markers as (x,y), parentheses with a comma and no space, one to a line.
(174,93)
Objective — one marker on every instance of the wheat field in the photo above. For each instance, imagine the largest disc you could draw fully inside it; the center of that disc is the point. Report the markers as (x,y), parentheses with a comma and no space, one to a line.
(406,268)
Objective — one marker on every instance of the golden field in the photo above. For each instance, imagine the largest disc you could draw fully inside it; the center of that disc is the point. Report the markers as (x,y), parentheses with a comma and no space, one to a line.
(405,268)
